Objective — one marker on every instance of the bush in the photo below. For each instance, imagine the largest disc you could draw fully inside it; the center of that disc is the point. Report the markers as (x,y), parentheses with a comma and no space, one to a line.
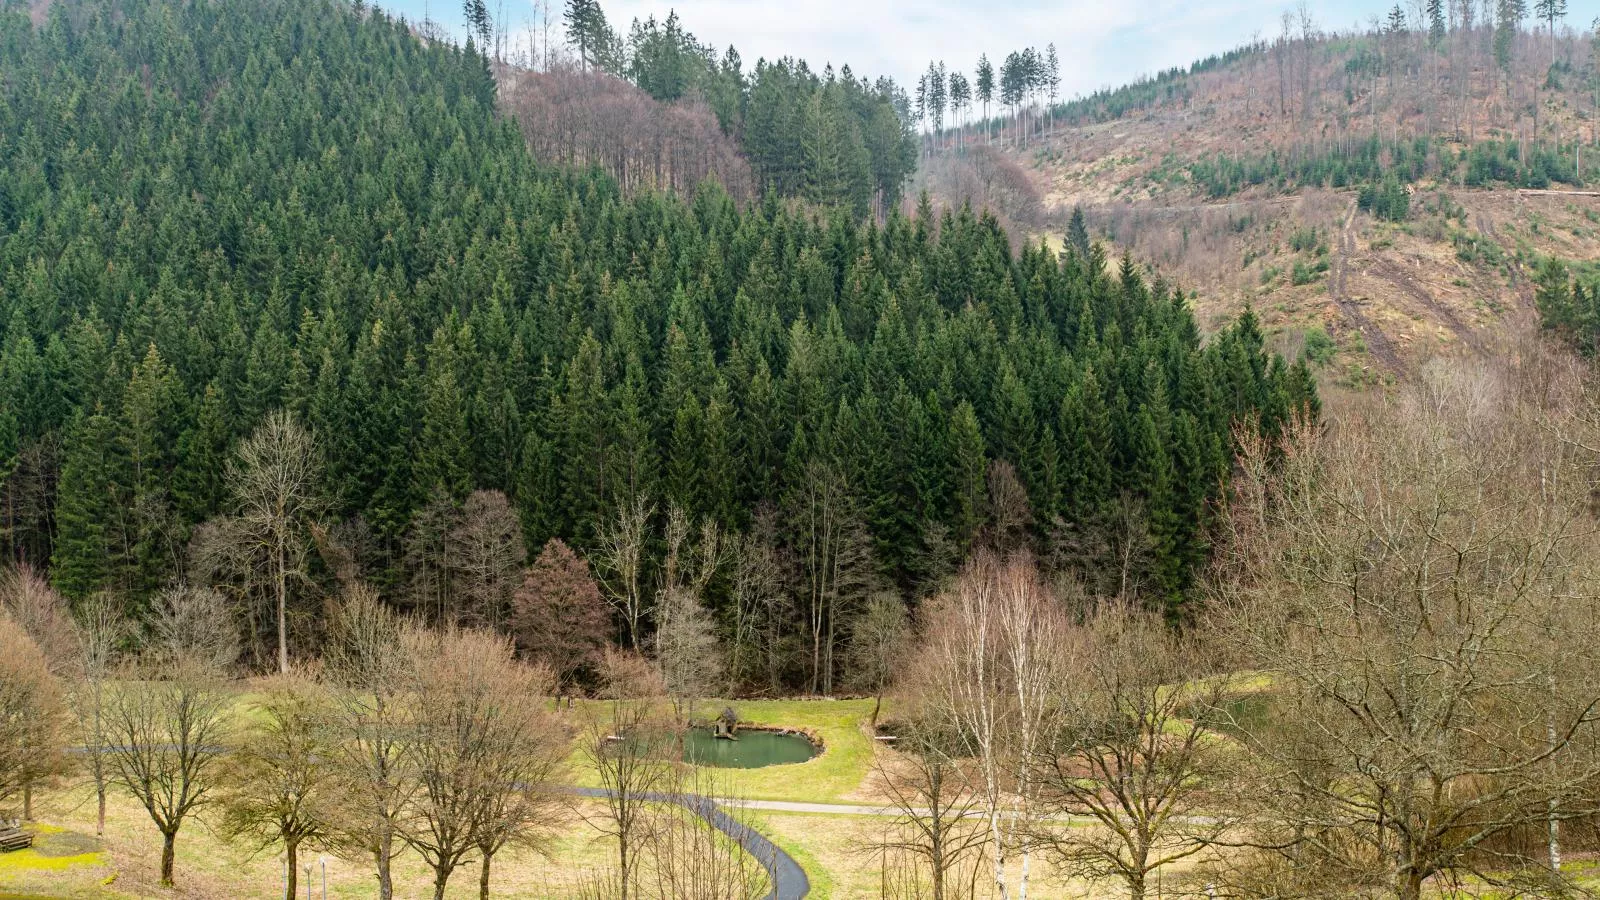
(1319,347)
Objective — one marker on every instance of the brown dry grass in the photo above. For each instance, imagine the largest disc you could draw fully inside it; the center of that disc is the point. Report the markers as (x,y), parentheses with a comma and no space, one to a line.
(210,867)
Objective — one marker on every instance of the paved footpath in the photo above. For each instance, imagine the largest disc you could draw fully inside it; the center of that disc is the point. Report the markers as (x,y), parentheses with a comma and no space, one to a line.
(789,881)
(833,809)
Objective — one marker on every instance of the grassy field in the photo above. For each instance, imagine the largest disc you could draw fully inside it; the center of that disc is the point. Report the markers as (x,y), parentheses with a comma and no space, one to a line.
(840,853)
(835,775)
(69,861)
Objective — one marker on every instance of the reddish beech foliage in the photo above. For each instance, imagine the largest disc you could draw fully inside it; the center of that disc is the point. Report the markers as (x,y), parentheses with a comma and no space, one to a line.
(557,615)
(577,118)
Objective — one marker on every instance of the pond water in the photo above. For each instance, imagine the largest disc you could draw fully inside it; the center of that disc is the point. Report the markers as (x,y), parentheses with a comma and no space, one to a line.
(751,750)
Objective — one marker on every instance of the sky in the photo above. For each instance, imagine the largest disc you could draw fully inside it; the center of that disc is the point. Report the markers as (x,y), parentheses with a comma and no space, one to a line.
(1101,43)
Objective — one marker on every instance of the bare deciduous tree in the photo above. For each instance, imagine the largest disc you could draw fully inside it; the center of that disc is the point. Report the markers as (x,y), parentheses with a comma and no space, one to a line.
(275,479)
(31,712)
(878,639)
(1130,749)
(690,857)
(989,662)
(486,553)
(42,612)
(940,825)
(371,678)
(277,783)
(687,651)
(625,749)
(101,632)
(193,625)
(522,757)
(1419,585)
(482,747)
(761,607)
(558,616)
(166,721)
(620,557)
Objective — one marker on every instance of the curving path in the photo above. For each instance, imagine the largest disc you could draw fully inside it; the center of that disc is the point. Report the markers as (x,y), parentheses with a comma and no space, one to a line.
(789,881)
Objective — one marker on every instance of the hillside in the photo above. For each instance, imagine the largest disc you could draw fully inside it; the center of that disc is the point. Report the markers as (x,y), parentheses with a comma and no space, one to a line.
(486,343)
(1240,180)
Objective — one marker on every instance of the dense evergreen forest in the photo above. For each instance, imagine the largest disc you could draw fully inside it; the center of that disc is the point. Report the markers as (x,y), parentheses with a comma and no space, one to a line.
(828,136)
(210,212)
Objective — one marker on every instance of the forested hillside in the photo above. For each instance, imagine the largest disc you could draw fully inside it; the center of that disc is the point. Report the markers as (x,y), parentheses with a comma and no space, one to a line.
(828,136)
(210,212)
(1379,194)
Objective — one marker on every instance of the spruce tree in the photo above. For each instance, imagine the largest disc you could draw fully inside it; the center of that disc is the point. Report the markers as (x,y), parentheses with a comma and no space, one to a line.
(89,505)
(984,84)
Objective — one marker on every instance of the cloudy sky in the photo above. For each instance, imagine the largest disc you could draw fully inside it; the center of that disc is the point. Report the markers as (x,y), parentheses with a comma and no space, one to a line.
(1101,42)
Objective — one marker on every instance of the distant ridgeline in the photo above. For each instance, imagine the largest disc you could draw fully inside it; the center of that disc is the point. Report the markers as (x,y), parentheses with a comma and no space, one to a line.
(209,211)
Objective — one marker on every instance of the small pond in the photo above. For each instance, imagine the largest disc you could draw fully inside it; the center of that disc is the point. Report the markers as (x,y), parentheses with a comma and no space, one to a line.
(750,750)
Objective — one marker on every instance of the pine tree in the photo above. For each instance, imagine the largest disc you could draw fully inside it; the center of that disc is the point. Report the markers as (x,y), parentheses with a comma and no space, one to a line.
(479,23)
(442,455)
(89,502)
(985,88)
(1078,233)
(1550,11)
(588,30)
(968,470)
(1437,28)
(202,451)
(1052,79)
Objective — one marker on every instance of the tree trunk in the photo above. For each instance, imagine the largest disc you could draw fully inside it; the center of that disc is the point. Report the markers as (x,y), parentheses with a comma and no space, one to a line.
(624,877)
(483,876)
(169,841)
(382,858)
(1410,885)
(283,613)
(291,884)
(441,877)
(100,802)
(27,800)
